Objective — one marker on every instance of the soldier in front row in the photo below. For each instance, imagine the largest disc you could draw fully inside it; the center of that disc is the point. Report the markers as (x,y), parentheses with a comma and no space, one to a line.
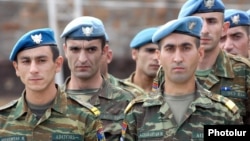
(43,112)
(180,108)
(84,48)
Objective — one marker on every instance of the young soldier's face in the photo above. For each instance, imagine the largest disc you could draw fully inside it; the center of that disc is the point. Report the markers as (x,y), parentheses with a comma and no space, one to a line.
(179,58)
(212,29)
(146,58)
(36,68)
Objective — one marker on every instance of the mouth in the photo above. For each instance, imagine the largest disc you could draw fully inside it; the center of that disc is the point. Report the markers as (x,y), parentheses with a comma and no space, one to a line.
(178,69)
(155,65)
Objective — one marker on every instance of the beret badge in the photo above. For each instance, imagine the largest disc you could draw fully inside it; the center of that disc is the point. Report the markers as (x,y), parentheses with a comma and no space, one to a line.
(87,30)
(235,19)
(209,3)
(191,25)
(37,38)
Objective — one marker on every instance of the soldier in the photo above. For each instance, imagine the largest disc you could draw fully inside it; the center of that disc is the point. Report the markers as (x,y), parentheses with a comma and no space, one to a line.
(180,108)
(83,47)
(236,40)
(144,53)
(219,72)
(43,112)
(105,61)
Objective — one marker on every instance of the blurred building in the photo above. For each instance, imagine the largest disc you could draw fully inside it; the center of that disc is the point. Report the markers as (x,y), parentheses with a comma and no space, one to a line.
(122,19)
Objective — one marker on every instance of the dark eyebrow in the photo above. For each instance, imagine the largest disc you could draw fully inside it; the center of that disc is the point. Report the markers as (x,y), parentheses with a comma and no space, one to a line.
(37,57)
(186,44)
(168,45)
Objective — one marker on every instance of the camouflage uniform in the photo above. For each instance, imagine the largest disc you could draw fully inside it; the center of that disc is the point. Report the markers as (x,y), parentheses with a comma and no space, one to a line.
(111,101)
(230,78)
(129,85)
(112,80)
(65,120)
(150,118)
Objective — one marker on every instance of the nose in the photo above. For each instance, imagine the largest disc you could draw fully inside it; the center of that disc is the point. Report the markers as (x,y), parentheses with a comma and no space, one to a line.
(82,56)
(204,29)
(228,45)
(178,57)
(33,67)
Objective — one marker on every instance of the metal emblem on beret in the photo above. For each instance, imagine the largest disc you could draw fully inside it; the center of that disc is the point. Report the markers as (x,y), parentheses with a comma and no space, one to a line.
(87,30)
(209,3)
(235,19)
(191,25)
(37,38)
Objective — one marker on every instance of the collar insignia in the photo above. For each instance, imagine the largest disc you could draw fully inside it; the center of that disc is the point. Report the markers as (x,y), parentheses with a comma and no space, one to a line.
(209,3)
(235,19)
(87,30)
(37,38)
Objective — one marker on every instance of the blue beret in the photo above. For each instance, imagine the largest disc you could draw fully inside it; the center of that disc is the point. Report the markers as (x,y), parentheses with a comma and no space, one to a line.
(248,12)
(201,6)
(32,39)
(84,27)
(106,37)
(236,17)
(190,25)
(143,37)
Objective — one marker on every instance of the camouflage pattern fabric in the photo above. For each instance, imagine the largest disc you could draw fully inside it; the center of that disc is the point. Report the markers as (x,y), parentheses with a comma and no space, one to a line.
(111,102)
(112,80)
(230,77)
(66,120)
(130,86)
(150,118)
(127,85)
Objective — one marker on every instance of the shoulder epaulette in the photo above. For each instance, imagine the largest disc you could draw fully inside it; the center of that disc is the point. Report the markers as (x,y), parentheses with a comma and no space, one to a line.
(89,106)
(138,99)
(239,58)
(134,89)
(226,101)
(8,105)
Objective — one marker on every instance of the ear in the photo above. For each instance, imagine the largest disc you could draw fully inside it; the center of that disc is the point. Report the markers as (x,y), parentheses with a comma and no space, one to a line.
(225,27)
(65,49)
(59,63)
(134,53)
(14,63)
(201,53)
(109,55)
(105,49)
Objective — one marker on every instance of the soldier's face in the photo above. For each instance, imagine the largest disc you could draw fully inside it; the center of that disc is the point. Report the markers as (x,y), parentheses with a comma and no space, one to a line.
(146,58)
(36,68)
(212,29)
(84,57)
(179,58)
(236,41)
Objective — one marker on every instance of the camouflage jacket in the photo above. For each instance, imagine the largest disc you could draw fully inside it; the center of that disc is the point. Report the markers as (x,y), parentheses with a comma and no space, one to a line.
(150,118)
(112,80)
(111,102)
(129,85)
(230,77)
(65,120)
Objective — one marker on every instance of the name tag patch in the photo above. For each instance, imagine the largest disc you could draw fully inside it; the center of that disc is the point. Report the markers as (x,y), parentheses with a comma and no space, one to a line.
(66,137)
